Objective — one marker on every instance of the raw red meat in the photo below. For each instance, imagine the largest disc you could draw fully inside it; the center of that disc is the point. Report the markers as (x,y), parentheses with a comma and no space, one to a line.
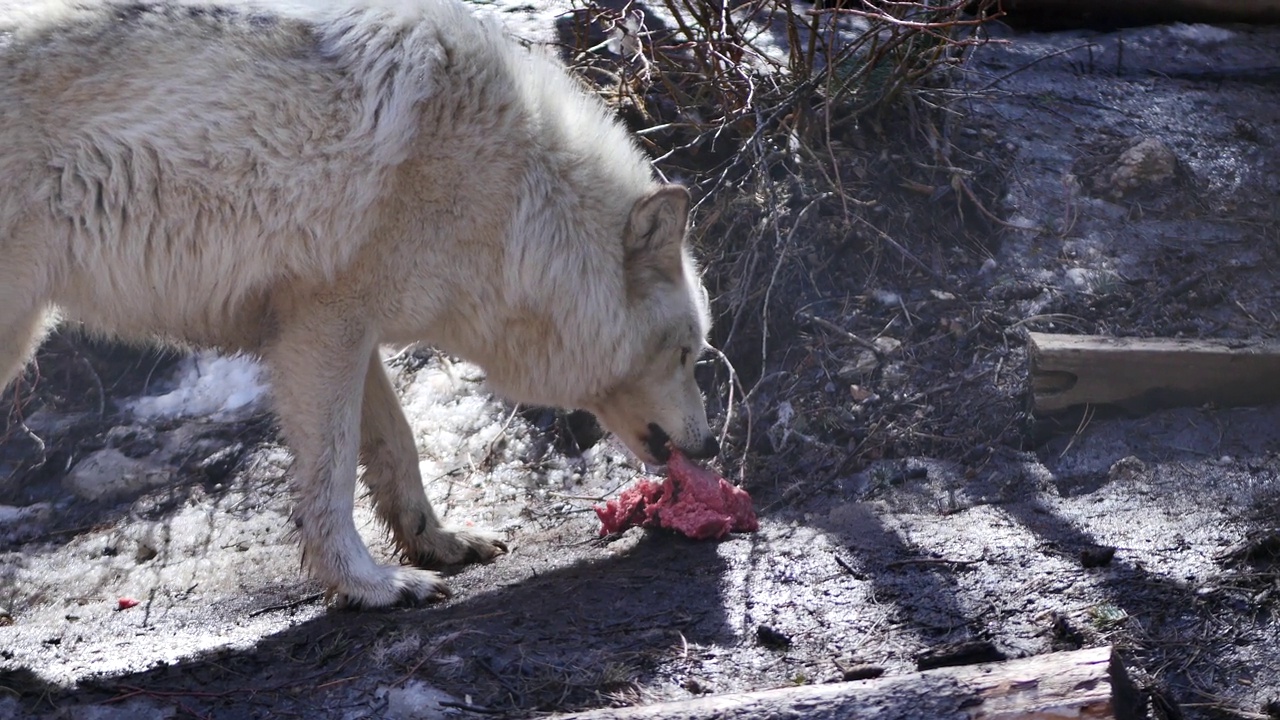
(692,500)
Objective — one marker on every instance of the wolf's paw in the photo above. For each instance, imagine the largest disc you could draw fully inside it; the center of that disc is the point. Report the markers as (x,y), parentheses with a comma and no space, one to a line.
(454,546)
(395,587)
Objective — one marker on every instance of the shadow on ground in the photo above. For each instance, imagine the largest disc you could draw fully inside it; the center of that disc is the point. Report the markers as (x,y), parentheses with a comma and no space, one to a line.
(571,636)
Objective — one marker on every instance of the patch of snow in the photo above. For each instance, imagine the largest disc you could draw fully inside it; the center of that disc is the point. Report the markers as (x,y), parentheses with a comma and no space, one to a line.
(1200,33)
(208,385)
(19,523)
(418,701)
(454,418)
(887,298)
(1022,223)
(135,709)
(11,514)
(1080,277)
(1041,276)
(474,450)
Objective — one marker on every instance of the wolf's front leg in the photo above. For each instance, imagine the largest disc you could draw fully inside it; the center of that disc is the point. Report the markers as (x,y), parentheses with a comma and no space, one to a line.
(318,365)
(390,460)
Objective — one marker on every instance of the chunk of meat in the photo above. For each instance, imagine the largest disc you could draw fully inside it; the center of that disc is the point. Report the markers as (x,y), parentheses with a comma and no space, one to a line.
(692,501)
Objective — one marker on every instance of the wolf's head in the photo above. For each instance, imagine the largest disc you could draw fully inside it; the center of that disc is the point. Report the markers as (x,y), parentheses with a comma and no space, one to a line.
(656,403)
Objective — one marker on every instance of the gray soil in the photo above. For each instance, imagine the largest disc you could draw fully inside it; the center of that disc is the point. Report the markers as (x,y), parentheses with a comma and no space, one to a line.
(907,505)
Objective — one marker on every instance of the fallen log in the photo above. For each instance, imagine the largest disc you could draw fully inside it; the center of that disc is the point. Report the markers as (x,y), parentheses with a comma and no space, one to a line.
(1084,684)
(1110,14)
(1144,374)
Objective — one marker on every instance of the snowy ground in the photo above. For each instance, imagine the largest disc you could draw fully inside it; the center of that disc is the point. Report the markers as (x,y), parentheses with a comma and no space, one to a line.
(176,496)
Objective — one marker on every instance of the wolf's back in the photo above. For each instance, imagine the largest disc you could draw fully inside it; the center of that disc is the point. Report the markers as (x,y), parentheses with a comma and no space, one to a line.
(180,157)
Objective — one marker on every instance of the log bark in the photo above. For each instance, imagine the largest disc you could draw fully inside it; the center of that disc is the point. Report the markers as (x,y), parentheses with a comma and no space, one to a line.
(1140,375)
(1050,14)
(1085,684)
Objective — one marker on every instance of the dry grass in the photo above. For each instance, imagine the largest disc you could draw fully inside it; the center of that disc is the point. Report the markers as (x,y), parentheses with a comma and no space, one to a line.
(810,137)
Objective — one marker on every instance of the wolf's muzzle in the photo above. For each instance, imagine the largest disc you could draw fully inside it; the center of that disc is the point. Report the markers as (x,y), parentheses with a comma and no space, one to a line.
(710,448)
(658,442)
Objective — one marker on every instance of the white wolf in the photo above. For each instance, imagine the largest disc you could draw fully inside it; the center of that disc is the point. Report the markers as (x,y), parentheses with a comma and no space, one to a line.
(307,181)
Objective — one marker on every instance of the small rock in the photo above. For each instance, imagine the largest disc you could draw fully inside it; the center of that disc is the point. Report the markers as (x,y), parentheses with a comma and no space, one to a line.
(219,465)
(860,394)
(887,345)
(866,361)
(954,654)
(771,638)
(915,472)
(110,473)
(1126,468)
(852,669)
(144,553)
(1066,632)
(1098,556)
(1145,165)
(863,364)
(695,687)
(133,441)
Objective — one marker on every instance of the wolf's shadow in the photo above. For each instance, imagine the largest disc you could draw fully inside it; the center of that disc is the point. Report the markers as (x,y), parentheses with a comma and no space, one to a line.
(572,637)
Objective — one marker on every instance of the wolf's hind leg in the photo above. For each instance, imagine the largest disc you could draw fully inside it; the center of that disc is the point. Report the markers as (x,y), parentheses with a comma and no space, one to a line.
(319,363)
(390,459)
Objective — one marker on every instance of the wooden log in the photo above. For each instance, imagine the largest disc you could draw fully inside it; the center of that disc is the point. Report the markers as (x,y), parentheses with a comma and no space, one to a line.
(1050,14)
(1083,684)
(1144,374)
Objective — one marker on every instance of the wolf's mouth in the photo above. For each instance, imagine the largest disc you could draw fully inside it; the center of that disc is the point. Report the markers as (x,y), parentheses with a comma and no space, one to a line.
(658,443)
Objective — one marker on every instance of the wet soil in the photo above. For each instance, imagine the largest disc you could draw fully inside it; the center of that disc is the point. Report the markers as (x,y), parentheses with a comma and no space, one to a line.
(905,511)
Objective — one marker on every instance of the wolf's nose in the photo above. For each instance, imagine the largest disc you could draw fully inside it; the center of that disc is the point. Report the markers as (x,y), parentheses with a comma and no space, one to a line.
(710,448)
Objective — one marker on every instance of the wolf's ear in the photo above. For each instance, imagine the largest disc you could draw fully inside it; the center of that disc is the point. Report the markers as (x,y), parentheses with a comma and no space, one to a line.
(654,238)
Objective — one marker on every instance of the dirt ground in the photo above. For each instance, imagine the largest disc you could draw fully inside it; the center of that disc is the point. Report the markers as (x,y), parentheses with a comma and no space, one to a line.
(908,502)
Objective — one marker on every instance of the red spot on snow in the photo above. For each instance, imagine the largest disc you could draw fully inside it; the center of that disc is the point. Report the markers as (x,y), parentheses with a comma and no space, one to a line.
(125,603)
(692,500)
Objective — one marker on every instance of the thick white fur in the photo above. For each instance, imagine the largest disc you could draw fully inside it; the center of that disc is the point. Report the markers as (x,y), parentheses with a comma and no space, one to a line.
(308,179)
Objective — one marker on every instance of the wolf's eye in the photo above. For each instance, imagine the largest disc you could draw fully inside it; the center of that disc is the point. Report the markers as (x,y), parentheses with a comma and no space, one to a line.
(684,356)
